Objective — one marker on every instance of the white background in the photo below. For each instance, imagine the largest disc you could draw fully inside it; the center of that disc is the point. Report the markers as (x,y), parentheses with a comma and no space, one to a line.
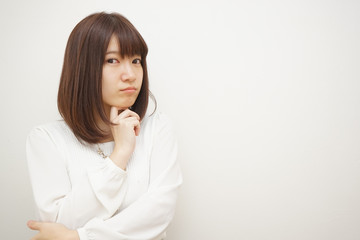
(265,97)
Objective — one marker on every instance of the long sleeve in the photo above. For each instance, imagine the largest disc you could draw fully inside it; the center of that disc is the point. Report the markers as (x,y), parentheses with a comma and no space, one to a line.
(100,188)
(148,217)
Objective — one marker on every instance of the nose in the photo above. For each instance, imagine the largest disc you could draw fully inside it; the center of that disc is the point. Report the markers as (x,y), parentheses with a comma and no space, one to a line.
(127,73)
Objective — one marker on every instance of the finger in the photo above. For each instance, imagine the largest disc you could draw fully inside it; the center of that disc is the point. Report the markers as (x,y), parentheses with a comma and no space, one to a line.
(128,113)
(137,130)
(114,112)
(34,225)
(115,116)
(132,121)
(136,125)
(37,236)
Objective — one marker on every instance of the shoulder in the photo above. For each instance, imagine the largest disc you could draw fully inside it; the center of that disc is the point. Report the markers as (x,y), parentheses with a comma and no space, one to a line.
(157,121)
(158,127)
(56,127)
(54,131)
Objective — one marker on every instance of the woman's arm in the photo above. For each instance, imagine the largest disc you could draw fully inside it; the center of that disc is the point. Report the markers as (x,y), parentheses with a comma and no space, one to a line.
(148,217)
(99,191)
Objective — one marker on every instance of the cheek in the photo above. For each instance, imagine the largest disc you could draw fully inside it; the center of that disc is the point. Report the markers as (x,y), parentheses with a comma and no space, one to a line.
(140,77)
(106,89)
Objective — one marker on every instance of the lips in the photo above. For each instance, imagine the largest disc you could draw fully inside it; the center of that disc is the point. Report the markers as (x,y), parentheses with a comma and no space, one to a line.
(128,89)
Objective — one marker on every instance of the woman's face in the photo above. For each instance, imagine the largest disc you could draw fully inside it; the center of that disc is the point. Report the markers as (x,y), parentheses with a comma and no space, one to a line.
(121,78)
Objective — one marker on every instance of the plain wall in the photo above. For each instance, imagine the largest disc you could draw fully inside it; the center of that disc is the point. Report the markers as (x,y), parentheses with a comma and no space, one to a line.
(265,97)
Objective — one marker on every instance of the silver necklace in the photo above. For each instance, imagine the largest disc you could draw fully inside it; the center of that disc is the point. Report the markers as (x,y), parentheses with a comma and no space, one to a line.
(100,152)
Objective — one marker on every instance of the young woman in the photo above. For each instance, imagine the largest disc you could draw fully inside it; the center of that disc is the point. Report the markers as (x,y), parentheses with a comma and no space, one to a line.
(108,170)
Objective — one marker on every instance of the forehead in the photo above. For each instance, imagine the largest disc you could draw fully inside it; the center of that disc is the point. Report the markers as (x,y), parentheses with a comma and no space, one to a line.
(114,45)
(127,42)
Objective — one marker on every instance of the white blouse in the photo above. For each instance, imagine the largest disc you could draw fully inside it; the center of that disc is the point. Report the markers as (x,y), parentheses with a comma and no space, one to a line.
(77,187)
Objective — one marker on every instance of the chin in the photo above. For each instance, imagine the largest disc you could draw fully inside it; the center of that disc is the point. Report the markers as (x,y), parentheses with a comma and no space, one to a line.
(125,106)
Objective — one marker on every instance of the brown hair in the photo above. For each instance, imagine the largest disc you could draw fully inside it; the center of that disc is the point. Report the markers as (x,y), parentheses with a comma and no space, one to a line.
(80,92)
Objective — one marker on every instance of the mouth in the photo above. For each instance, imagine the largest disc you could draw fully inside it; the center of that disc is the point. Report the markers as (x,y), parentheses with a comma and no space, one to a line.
(128,90)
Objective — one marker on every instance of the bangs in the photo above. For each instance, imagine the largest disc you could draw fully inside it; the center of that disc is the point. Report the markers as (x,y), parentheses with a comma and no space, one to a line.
(129,39)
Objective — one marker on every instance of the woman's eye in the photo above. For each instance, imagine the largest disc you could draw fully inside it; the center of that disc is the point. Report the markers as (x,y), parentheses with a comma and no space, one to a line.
(112,60)
(137,61)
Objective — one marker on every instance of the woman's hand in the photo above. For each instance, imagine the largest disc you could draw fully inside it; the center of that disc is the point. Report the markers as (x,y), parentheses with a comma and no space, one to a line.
(52,231)
(124,132)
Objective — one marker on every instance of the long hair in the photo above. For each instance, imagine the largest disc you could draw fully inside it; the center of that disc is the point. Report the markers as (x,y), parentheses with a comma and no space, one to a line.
(80,92)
